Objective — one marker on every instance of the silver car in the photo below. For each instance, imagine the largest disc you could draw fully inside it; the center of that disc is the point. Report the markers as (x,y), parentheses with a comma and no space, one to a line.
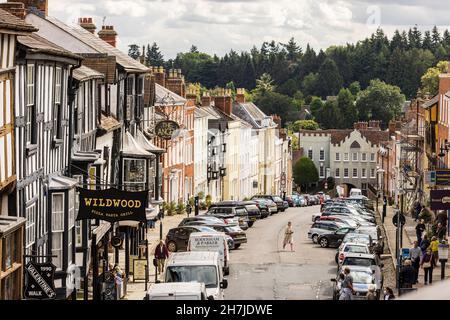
(322,227)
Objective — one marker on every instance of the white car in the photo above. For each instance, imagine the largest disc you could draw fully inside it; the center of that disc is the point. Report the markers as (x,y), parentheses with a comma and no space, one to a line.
(350,247)
(211,242)
(177,291)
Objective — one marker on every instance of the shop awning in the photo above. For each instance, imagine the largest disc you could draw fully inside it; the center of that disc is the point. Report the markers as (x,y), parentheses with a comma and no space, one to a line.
(146,144)
(61,183)
(132,148)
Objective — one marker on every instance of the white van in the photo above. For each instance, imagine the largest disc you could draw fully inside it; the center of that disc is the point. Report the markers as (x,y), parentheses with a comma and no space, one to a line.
(177,291)
(215,242)
(200,267)
(355,192)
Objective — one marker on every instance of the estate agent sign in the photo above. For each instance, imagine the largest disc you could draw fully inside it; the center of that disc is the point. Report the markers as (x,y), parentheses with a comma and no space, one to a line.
(112,205)
(39,281)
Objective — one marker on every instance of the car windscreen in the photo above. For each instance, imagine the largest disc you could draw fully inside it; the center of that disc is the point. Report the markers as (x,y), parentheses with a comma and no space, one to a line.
(251,207)
(277,199)
(361,277)
(220,210)
(356,249)
(371,232)
(241,212)
(356,237)
(355,261)
(205,274)
(206,229)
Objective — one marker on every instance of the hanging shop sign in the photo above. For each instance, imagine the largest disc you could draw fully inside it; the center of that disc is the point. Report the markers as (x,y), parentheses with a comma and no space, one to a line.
(39,281)
(165,129)
(112,205)
(442,177)
(440,199)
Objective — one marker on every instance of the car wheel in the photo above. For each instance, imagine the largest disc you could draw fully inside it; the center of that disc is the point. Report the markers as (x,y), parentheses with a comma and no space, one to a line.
(316,219)
(250,224)
(236,246)
(336,258)
(172,246)
(323,242)
(314,238)
(226,271)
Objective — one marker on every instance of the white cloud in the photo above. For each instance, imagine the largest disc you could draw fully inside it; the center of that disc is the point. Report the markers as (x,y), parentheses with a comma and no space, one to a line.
(216,26)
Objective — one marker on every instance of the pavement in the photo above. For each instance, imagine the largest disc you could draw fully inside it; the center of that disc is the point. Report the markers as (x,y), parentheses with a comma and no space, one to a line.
(409,236)
(262,270)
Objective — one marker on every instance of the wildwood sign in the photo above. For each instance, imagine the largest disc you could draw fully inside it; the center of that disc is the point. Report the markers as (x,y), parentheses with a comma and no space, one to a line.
(165,129)
(39,281)
(112,205)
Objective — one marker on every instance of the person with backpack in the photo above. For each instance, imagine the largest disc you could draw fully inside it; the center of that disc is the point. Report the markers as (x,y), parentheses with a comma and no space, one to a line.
(425,244)
(428,265)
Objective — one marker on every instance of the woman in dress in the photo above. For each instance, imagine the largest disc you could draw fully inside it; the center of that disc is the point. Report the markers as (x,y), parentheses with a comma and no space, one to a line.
(288,239)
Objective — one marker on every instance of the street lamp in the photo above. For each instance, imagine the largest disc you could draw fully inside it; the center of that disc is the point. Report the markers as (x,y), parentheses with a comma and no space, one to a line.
(443,257)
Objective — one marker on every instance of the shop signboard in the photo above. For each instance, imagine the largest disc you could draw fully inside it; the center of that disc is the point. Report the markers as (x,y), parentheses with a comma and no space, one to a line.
(39,281)
(165,129)
(440,199)
(112,205)
(139,267)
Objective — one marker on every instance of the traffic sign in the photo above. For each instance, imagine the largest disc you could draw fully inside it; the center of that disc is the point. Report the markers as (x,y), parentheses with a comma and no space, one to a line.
(396,218)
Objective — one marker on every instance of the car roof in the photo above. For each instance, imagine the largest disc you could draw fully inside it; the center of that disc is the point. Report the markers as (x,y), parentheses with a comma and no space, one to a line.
(193,258)
(357,268)
(359,244)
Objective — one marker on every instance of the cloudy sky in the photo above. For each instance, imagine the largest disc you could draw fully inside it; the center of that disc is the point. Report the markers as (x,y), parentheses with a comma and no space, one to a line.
(216,26)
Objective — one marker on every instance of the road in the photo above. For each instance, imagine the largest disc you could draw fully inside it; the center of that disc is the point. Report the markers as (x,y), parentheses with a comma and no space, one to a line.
(261,270)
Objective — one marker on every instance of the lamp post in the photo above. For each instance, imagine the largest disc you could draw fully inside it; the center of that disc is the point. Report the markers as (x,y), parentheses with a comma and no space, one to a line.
(443,257)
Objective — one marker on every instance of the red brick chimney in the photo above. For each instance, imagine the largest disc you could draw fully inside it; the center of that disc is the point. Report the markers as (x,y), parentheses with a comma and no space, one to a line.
(360,125)
(160,75)
(240,95)
(191,95)
(15,8)
(374,124)
(108,34)
(39,7)
(206,99)
(224,102)
(175,82)
(277,119)
(444,83)
(87,24)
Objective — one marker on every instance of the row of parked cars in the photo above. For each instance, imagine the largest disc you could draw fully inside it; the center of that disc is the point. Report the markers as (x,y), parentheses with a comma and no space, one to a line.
(349,225)
(201,246)
(304,200)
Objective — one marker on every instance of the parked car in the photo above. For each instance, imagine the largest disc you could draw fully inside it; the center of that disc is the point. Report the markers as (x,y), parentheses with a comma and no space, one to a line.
(273,208)
(252,210)
(237,215)
(359,238)
(285,205)
(191,220)
(363,277)
(302,201)
(177,238)
(347,220)
(357,219)
(238,235)
(177,291)
(351,247)
(375,234)
(351,211)
(290,201)
(278,201)
(213,242)
(265,207)
(322,227)
(333,239)
(361,259)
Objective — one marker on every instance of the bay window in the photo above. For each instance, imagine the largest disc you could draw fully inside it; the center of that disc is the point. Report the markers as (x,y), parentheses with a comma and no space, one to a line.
(57,228)
(134,174)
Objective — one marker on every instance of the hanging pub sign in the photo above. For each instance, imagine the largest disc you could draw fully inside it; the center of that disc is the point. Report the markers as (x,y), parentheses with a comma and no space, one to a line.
(440,199)
(112,205)
(165,129)
(39,281)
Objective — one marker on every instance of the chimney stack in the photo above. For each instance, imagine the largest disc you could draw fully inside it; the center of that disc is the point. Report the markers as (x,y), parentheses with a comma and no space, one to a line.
(360,125)
(444,83)
(206,99)
(277,119)
(160,75)
(240,95)
(191,94)
(38,7)
(87,24)
(175,82)
(108,34)
(374,125)
(15,8)
(224,101)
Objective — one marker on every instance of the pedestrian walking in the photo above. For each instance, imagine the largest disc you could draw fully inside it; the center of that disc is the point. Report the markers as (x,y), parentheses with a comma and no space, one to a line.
(371,295)
(288,238)
(428,265)
(388,294)
(161,254)
(434,245)
(441,232)
(425,244)
(418,209)
(347,290)
(416,255)
(407,275)
(420,228)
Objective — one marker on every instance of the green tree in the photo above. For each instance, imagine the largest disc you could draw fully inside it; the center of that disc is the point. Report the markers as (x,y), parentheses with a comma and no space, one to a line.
(154,56)
(271,102)
(310,84)
(305,172)
(304,125)
(264,84)
(380,101)
(294,51)
(329,80)
(430,80)
(316,106)
(329,116)
(347,108)
(133,51)
(354,88)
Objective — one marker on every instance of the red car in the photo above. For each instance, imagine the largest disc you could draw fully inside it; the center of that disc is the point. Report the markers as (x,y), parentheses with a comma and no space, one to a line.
(290,201)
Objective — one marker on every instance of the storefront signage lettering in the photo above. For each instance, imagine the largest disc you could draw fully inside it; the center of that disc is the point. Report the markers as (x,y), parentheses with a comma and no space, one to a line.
(39,281)
(112,205)
(440,199)
(166,128)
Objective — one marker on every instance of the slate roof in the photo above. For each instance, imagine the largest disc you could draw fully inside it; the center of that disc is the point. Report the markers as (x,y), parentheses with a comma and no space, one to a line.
(217,113)
(11,22)
(84,73)
(200,113)
(161,93)
(431,102)
(37,44)
(128,63)
(250,113)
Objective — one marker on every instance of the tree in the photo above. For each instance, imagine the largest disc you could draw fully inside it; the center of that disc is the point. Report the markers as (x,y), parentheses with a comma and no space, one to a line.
(347,108)
(316,106)
(430,80)
(133,51)
(154,56)
(354,88)
(329,117)
(329,80)
(271,102)
(304,125)
(427,43)
(264,84)
(305,172)
(293,50)
(194,49)
(310,84)
(380,101)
